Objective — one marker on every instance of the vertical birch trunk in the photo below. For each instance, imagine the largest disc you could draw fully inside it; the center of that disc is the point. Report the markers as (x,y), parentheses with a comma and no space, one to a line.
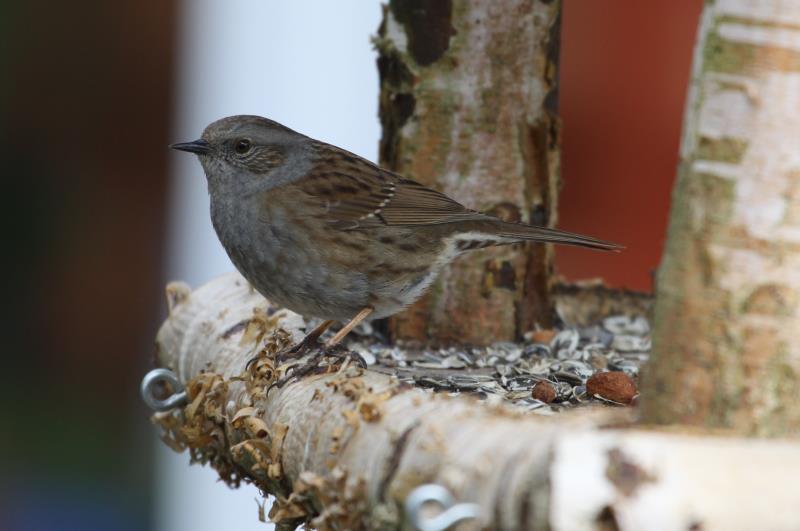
(726,346)
(468,106)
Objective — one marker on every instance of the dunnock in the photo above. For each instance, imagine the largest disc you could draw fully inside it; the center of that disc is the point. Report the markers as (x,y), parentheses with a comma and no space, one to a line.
(328,234)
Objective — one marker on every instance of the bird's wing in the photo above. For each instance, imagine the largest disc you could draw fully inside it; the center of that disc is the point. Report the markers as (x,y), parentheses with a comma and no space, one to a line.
(354,193)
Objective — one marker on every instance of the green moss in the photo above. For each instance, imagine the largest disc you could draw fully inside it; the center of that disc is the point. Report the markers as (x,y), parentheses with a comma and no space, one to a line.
(679,229)
(720,55)
(717,191)
(719,356)
(721,149)
(761,23)
(724,56)
(780,387)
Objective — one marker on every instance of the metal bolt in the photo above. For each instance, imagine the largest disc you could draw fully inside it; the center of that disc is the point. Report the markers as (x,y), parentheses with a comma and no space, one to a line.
(452,514)
(148,389)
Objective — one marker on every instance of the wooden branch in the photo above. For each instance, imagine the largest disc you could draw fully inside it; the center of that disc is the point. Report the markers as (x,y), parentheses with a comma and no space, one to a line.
(342,450)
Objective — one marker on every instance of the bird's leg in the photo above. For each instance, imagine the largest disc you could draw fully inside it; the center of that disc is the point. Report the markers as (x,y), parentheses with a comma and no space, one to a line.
(360,316)
(307,342)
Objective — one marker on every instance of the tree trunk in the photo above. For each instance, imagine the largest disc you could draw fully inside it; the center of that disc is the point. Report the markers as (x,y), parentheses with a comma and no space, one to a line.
(343,450)
(726,352)
(468,105)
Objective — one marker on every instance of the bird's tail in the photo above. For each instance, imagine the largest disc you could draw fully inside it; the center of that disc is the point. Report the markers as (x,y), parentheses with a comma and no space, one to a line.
(501,232)
(544,234)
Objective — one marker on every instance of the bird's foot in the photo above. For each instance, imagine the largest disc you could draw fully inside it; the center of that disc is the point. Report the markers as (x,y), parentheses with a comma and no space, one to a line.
(295,351)
(313,364)
(356,357)
(298,350)
(298,370)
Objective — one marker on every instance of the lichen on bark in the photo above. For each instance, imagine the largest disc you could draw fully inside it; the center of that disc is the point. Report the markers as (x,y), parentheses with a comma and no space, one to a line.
(469,106)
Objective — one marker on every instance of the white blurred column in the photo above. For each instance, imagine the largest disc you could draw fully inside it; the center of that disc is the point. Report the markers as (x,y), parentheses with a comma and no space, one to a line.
(308,64)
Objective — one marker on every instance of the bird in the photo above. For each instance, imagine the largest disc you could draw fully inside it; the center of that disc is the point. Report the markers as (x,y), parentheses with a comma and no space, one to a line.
(328,234)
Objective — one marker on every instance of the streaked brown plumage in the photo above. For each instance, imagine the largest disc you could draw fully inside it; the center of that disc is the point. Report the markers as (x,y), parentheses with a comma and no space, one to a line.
(327,233)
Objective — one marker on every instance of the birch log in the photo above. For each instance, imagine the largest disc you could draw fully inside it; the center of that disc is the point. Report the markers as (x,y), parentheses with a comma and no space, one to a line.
(726,350)
(343,450)
(468,105)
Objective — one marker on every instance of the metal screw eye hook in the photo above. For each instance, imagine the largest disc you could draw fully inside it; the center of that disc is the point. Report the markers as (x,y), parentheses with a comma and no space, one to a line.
(452,514)
(148,389)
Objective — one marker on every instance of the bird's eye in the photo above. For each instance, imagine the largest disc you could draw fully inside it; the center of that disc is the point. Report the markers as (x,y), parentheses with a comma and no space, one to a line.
(242,146)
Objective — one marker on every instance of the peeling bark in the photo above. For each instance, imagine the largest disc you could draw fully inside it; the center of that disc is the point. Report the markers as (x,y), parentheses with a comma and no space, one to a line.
(726,352)
(469,106)
(342,450)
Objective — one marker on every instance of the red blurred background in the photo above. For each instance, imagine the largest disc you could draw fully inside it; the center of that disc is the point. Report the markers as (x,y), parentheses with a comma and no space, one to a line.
(625,67)
(86,115)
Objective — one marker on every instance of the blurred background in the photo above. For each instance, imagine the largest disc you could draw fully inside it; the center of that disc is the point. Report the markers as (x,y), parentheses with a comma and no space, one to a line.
(99,214)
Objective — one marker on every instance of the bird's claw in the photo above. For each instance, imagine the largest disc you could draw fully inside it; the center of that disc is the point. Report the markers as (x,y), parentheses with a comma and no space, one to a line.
(251,362)
(295,351)
(297,371)
(356,357)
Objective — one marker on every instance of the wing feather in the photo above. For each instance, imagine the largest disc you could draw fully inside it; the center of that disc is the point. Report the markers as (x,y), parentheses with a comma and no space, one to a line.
(358,194)
(355,193)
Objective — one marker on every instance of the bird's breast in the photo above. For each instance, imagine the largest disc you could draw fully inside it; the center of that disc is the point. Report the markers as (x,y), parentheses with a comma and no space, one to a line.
(289,262)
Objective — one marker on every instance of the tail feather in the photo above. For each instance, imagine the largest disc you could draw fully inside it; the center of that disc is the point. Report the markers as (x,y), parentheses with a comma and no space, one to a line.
(523,232)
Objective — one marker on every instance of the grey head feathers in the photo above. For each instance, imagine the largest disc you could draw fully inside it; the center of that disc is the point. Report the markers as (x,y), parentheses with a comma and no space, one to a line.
(256,128)
(248,154)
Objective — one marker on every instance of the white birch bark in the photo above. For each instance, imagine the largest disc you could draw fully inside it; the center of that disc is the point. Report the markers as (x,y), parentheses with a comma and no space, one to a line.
(726,348)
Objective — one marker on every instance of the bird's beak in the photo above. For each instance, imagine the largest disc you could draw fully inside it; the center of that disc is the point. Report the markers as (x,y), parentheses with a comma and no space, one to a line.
(199,147)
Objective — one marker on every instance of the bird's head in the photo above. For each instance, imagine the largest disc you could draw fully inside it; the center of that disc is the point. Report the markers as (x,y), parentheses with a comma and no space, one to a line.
(242,148)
